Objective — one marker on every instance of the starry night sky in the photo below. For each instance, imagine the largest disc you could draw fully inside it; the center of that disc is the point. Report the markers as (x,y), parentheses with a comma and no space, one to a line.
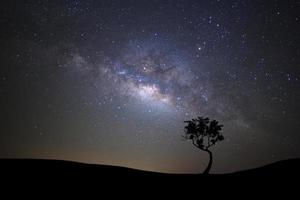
(111,82)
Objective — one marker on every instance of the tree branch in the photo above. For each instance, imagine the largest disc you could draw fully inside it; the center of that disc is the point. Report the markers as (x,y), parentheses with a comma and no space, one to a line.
(208,142)
(198,146)
(195,144)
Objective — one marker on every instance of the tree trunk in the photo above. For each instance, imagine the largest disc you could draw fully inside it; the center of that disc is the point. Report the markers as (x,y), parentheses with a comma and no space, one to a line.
(210,162)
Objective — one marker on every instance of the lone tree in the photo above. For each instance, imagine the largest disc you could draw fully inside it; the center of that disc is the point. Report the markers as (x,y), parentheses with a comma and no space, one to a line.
(204,133)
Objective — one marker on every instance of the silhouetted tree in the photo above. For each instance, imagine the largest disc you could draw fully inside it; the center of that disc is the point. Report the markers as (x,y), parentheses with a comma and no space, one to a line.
(204,133)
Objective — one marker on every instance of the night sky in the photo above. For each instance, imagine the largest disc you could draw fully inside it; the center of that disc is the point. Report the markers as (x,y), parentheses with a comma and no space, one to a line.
(111,82)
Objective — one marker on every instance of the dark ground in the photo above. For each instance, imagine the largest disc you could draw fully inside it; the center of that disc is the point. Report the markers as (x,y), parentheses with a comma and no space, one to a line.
(56,173)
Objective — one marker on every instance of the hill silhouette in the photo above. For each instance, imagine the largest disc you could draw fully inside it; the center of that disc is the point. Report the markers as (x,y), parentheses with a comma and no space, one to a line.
(23,171)
(48,167)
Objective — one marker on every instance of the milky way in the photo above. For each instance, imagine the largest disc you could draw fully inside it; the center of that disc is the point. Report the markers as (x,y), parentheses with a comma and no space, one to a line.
(111,82)
(157,75)
(153,75)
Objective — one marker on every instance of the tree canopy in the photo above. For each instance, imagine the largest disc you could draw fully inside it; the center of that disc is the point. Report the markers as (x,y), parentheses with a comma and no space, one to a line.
(203,132)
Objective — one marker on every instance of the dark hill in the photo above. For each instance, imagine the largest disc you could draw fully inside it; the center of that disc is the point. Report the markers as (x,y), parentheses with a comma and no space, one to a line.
(41,171)
(286,168)
(47,167)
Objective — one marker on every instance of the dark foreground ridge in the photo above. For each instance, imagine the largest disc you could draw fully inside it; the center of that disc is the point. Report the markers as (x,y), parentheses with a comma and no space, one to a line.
(48,167)
(277,174)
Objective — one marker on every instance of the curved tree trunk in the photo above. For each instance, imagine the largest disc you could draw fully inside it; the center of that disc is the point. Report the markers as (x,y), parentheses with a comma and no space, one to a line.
(210,162)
